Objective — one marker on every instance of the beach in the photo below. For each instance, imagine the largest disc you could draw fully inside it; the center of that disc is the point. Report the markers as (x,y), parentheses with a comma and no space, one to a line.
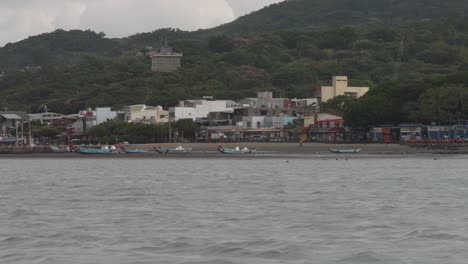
(265,150)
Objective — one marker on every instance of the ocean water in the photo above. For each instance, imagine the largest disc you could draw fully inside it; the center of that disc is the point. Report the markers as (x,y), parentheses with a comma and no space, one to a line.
(107,211)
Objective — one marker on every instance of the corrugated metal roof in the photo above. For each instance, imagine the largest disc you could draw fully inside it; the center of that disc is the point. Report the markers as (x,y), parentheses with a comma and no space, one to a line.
(11,116)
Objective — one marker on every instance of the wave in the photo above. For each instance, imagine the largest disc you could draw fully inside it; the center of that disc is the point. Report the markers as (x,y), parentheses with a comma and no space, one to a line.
(361,257)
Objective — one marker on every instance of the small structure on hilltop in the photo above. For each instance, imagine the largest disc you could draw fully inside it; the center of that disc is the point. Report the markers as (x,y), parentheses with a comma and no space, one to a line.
(340,87)
(166,60)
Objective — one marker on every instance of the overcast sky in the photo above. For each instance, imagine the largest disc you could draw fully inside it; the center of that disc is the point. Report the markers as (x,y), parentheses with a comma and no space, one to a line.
(117,18)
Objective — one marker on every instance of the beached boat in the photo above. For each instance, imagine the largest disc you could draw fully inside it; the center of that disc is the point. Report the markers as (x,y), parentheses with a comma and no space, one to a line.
(104,150)
(236,150)
(178,150)
(68,149)
(135,151)
(59,150)
(344,150)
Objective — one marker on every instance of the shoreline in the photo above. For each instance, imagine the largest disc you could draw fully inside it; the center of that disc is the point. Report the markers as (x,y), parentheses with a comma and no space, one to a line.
(265,151)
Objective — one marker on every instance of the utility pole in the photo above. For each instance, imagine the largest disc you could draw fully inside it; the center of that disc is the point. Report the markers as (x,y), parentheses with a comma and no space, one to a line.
(30,137)
(170,130)
(22,131)
(16,134)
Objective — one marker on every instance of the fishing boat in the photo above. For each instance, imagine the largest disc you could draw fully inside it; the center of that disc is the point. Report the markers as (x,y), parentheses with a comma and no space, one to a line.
(178,150)
(68,149)
(103,150)
(135,151)
(59,150)
(344,150)
(236,150)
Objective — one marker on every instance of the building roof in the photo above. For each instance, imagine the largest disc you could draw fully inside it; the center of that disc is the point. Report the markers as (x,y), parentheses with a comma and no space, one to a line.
(23,115)
(11,116)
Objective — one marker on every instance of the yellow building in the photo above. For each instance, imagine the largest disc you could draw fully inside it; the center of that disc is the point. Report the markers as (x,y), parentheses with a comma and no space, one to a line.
(145,114)
(340,87)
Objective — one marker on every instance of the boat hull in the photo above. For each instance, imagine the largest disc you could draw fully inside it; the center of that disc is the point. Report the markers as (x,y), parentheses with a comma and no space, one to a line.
(173,151)
(93,151)
(236,151)
(345,151)
(135,151)
(59,151)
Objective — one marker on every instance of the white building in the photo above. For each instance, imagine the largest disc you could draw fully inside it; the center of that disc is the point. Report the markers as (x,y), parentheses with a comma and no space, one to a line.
(253,121)
(86,120)
(302,103)
(264,100)
(197,109)
(145,114)
(104,114)
(340,87)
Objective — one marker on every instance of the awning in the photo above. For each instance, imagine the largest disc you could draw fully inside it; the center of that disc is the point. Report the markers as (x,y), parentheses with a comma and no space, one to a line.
(11,116)
(10,140)
(318,131)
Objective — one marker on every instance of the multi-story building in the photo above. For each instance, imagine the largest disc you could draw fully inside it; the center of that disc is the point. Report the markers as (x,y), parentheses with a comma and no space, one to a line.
(145,114)
(200,109)
(303,103)
(340,87)
(324,120)
(264,100)
(10,121)
(166,60)
(104,114)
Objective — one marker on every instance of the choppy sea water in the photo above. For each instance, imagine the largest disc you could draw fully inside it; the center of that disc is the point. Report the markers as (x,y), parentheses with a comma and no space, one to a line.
(107,211)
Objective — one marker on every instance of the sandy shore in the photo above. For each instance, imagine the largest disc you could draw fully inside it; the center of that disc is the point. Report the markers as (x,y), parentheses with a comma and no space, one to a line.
(295,148)
(265,150)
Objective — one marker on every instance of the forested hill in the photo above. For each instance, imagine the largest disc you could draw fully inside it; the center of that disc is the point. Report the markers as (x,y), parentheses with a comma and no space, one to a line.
(315,14)
(55,47)
(417,71)
(302,15)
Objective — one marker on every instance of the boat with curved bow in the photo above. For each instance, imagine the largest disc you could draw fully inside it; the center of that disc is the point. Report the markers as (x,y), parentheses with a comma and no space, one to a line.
(236,150)
(178,150)
(344,151)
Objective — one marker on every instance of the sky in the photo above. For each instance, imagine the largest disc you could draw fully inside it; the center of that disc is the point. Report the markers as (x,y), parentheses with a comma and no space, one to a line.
(117,18)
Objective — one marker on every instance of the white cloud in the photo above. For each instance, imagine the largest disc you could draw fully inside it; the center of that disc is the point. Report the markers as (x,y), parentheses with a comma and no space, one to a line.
(117,18)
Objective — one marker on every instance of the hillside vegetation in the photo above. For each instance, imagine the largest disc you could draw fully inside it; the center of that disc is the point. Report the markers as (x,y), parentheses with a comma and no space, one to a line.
(416,71)
(316,14)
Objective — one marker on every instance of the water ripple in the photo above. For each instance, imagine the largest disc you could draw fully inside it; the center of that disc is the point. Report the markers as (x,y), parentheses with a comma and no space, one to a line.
(233,211)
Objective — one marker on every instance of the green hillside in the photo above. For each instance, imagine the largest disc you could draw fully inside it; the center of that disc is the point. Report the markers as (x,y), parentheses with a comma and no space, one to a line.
(410,68)
(56,47)
(315,14)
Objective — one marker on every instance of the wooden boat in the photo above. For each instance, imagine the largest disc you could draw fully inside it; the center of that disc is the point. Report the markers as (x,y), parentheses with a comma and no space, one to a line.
(83,150)
(135,151)
(236,150)
(178,150)
(344,150)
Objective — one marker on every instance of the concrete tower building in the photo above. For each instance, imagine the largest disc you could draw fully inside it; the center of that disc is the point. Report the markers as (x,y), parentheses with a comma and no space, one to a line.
(340,87)
(166,60)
